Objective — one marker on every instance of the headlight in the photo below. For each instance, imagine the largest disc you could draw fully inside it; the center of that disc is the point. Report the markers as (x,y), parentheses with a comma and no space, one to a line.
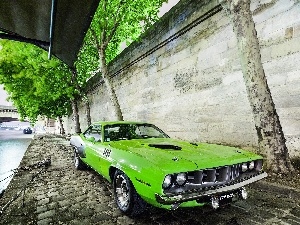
(258,165)
(181,179)
(167,182)
(244,167)
(251,165)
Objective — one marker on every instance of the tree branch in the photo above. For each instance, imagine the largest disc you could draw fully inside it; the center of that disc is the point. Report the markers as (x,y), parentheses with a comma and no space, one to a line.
(116,21)
(97,43)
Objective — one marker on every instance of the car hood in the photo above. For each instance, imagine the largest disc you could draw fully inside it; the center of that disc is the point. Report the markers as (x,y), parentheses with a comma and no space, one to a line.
(169,154)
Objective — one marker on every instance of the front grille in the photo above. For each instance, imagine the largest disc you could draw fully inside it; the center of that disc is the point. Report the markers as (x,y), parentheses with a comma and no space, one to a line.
(214,176)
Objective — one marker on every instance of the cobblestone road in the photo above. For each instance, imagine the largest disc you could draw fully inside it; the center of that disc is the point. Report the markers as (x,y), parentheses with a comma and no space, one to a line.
(63,195)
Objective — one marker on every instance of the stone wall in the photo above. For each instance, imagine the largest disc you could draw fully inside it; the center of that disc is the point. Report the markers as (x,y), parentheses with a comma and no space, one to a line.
(185,75)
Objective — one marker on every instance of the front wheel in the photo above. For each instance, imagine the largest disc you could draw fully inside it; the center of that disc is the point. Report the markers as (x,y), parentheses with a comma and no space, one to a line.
(127,199)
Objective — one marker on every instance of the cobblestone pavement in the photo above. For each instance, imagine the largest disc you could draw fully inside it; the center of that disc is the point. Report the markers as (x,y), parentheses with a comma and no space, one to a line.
(62,195)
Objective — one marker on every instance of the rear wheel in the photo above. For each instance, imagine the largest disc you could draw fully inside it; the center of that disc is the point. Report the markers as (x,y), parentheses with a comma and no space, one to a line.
(78,164)
(127,199)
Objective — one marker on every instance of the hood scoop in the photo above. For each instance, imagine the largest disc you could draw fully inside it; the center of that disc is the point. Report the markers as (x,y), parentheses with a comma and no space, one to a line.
(165,146)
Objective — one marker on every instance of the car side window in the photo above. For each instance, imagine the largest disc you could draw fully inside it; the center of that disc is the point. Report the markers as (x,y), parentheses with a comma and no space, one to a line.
(111,133)
(94,131)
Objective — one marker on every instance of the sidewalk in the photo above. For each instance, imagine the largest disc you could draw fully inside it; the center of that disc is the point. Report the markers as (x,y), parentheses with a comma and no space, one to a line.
(59,194)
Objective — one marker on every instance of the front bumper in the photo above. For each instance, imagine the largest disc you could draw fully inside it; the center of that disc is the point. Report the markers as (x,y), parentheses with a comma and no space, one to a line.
(195,195)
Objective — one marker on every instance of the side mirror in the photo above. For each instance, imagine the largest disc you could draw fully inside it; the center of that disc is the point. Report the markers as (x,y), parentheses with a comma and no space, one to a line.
(91,139)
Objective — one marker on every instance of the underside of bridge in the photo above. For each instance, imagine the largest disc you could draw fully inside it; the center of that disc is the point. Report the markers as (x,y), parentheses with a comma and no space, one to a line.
(56,26)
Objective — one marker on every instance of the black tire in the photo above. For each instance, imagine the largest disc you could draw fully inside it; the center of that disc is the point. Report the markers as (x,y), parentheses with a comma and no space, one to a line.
(126,197)
(78,164)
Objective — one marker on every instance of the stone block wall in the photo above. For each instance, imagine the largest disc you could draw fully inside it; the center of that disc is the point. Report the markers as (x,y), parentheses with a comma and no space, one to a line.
(185,75)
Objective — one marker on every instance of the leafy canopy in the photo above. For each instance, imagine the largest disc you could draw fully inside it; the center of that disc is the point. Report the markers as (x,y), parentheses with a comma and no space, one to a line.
(36,85)
(115,23)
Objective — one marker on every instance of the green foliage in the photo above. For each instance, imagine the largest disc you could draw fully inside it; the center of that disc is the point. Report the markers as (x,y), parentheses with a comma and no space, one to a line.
(86,62)
(36,85)
(115,22)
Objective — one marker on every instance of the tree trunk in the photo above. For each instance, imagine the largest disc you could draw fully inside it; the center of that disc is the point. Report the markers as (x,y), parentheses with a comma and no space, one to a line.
(61,126)
(113,98)
(87,110)
(75,116)
(271,139)
(110,88)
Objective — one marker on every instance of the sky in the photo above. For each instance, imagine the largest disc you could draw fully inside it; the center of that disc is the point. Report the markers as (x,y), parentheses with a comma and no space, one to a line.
(3,97)
(165,8)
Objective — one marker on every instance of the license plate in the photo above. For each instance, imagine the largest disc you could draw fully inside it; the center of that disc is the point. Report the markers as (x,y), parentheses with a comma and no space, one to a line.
(226,196)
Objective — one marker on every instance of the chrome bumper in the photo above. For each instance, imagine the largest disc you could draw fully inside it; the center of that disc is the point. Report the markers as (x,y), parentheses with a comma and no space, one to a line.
(184,197)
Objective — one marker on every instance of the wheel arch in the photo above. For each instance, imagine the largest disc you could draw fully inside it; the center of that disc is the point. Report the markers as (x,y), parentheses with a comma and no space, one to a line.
(133,176)
(78,145)
(127,171)
(111,172)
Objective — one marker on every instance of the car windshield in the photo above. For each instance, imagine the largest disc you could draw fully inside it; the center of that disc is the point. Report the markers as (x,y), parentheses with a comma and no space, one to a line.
(117,132)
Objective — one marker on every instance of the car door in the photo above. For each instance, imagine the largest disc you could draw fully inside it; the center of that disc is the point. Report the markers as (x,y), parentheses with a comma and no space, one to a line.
(105,152)
(94,149)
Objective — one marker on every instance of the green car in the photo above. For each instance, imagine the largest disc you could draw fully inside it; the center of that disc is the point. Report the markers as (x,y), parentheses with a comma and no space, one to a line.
(146,167)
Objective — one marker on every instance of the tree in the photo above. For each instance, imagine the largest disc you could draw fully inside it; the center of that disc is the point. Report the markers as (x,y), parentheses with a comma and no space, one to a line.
(115,22)
(36,85)
(269,131)
(42,81)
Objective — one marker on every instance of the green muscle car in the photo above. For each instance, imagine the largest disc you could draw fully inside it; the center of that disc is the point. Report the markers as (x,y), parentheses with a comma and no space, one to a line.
(146,167)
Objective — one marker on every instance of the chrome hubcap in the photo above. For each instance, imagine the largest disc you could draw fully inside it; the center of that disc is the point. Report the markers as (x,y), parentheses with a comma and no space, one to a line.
(122,191)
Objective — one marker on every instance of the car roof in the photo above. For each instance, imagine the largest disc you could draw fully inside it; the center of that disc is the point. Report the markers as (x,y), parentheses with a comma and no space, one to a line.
(103,123)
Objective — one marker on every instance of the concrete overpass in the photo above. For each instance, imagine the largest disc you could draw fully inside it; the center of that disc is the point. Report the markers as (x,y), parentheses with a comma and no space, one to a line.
(8,113)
